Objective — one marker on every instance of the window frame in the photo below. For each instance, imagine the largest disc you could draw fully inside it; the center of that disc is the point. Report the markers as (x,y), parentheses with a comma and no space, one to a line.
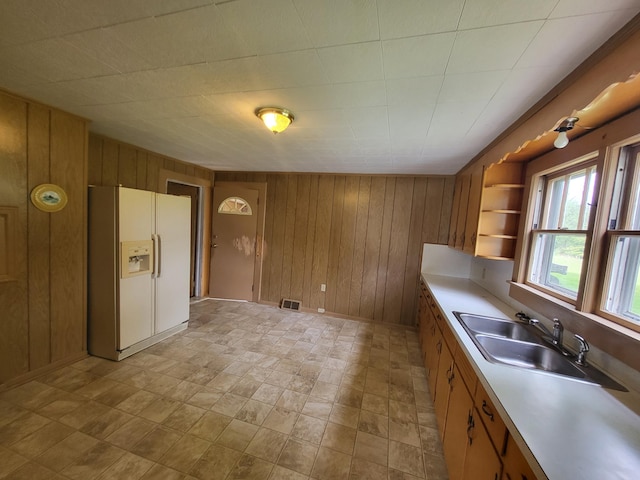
(585,317)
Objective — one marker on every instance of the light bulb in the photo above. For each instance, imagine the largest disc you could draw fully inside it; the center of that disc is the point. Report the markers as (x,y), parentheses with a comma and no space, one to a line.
(562,140)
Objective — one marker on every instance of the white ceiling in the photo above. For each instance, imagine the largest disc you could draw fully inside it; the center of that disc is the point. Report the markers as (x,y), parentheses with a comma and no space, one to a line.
(377,86)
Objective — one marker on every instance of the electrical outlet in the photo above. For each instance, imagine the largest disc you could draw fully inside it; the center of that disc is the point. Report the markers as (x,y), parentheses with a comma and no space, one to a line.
(320,310)
(323,287)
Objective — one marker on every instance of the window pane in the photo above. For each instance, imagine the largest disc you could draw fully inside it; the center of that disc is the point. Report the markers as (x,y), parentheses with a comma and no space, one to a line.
(569,201)
(235,206)
(557,262)
(623,290)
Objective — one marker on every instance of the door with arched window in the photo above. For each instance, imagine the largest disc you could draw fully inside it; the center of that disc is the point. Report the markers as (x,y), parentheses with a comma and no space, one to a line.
(234,249)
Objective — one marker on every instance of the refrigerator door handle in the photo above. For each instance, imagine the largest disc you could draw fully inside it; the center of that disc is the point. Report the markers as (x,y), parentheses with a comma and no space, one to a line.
(154,239)
(158,256)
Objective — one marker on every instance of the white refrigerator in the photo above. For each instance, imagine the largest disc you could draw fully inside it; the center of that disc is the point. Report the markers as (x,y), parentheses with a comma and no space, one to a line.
(139,267)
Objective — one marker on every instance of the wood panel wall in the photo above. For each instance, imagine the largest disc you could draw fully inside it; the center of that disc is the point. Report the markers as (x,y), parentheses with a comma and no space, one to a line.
(116,163)
(362,236)
(43,299)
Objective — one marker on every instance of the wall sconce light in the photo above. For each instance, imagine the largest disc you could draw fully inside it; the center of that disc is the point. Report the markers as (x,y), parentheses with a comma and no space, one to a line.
(276,119)
(562,140)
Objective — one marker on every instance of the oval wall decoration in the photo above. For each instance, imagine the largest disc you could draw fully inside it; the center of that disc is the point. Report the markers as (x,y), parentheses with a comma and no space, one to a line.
(49,197)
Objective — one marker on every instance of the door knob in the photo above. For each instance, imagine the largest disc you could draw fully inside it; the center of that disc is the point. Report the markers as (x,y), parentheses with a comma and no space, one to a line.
(214,245)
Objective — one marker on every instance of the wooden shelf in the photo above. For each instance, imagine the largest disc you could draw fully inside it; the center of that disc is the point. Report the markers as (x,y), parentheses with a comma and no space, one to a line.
(496,235)
(505,185)
(511,212)
(491,257)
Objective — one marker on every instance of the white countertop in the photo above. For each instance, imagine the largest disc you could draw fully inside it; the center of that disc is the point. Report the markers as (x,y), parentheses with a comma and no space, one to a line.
(574,430)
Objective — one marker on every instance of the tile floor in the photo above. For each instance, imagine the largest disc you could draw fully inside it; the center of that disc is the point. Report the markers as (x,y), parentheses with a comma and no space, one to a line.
(246,392)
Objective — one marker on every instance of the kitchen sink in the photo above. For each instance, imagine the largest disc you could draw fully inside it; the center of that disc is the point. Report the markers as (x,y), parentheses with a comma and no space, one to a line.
(523,345)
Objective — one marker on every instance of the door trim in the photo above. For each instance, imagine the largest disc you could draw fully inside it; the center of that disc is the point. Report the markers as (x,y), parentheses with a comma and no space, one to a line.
(203,253)
(262,208)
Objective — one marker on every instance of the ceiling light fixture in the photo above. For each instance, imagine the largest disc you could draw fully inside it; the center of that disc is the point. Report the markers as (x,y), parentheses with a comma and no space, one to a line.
(276,119)
(562,140)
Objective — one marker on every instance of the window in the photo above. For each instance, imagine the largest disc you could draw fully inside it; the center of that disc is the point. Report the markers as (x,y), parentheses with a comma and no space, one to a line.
(621,298)
(560,229)
(234,206)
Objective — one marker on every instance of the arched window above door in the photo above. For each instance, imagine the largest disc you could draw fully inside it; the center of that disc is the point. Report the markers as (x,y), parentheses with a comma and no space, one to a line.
(235,206)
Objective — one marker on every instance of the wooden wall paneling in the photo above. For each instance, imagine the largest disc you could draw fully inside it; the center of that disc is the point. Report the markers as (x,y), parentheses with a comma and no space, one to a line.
(322,240)
(431,217)
(38,242)
(398,249)
(357,269)
(372,247)
(109,162)
(167,163)
(277,238)
(95,160)
(141,169)
(127,166)
(385,241)
(289,235)
(14,354)
(154,164)
(347,244)
(309,238)
(414,247)
(68,238)
(299,237)
(334,243)
(268,234)
(190,170)
(446,209)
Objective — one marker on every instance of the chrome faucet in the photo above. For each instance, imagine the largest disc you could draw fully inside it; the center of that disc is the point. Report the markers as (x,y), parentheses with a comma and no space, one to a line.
(584,348)
(558,331)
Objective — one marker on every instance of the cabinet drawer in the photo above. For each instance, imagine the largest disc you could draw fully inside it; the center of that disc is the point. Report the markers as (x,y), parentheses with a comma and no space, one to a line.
(495,426)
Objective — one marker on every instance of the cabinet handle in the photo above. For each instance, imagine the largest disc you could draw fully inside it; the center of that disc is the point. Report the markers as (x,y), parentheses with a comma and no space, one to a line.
(450,375)
(439,347)
(470,426)
(473,239)
(486,411)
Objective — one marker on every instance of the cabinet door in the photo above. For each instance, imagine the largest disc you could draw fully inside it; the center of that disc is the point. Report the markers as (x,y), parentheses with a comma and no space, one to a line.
(481,462)
(443,387)
(432,357)
(455,436)
(473,211)
(515,465)
(462,211)
(455,209)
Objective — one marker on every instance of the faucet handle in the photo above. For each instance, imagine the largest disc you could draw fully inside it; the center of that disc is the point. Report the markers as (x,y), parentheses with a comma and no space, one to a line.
(584,348)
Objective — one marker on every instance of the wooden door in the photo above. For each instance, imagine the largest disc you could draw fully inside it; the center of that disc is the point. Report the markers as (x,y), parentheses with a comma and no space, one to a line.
(233,254)
(443,387)
(193,193)
(481,462)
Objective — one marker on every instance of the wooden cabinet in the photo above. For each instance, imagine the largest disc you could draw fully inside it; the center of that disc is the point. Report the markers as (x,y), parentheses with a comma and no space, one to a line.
(486,210)
(475,439)
(515,465)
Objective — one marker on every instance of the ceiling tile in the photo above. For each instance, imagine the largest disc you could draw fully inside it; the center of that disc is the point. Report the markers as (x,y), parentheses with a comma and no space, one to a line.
(417,56)
(336,22)
(291,69)
(267,27)
(567,8)
(546,50)
(451,122)
(408,18)
(409,122)
(203,36)
(464,87)
(492,48)
(486,13)
(352,63)
(415,90)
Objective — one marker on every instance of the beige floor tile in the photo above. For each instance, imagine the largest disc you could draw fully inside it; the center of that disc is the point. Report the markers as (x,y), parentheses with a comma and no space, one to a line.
(104,425)
(406,458)
(131,433)
(66,451)
(21,427)
(216,463)
(129,466)
(291,400)
(364,470)
(31,471)
(318,408)
(298,456)
(229,404)
(267,393)
(156,443)
(41,440)
(250,468)
(160,472)
(210,426)
(309,429)
(372,448)
(137,402)
(204,399)
(267,444)
(281,473)
(373,423)
(10,461)
(281,420)
(183,455)
(339,438)
(375,404)
(93,462)
(405,432)
(331,465)
(184,417)
(158,410)
(254,412)
(237,435)
(344,415)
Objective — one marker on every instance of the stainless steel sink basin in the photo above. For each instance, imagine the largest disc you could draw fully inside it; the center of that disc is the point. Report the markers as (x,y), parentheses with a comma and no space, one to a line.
(495,326)
(527,355)
(522,345)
